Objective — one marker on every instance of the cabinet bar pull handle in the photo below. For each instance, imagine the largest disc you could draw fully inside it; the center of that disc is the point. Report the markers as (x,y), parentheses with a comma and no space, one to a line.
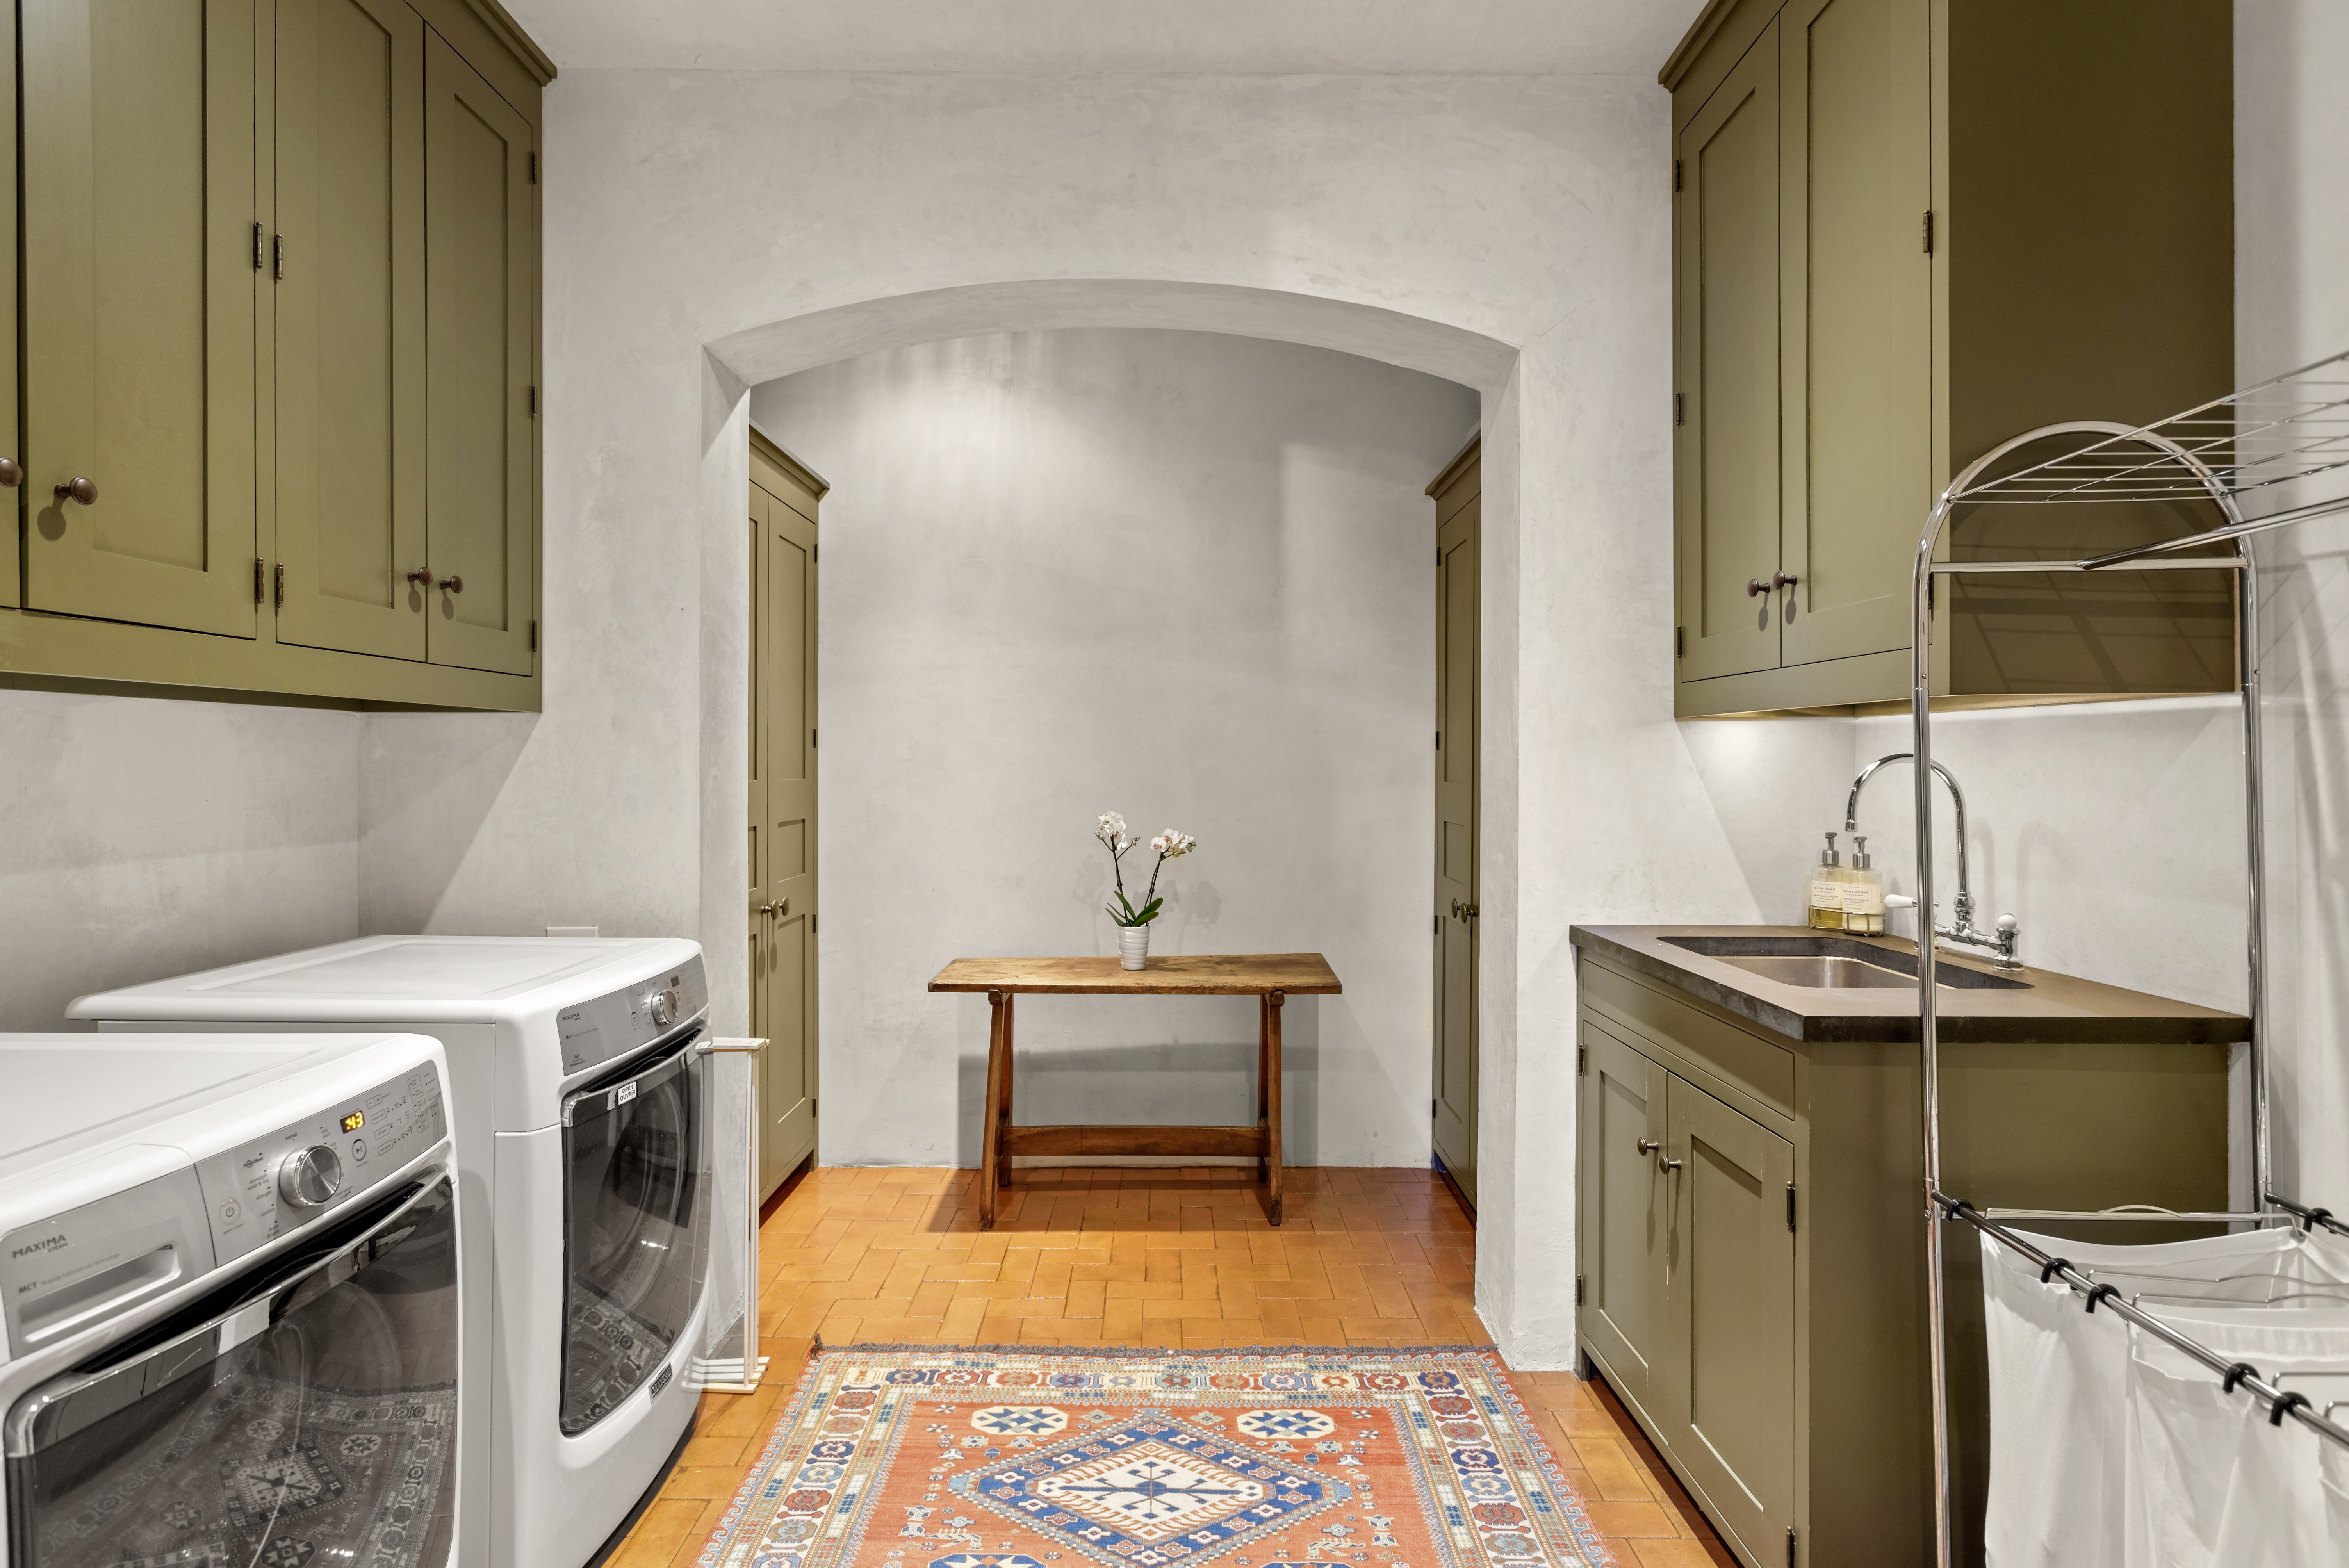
(77,490)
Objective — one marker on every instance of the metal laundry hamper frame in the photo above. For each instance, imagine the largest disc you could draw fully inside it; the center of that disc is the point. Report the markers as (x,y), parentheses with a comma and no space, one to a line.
(2278,451)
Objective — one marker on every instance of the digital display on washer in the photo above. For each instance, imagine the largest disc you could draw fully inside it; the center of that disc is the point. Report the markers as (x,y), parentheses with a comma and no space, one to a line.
(354,1121)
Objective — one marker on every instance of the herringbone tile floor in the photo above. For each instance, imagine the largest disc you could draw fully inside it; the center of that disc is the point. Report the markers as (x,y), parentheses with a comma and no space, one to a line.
(1122,1256)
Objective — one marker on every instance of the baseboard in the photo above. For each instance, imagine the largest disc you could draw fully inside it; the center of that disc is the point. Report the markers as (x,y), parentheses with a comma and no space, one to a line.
(1160,1162)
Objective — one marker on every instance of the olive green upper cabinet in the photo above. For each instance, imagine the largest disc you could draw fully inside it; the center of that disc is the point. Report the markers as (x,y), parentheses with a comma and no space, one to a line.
(1905,231)
(11,583)
(350,314)
(481,269)
(140,238)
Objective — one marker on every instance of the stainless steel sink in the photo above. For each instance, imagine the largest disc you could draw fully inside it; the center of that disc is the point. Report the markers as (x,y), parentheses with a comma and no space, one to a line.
(1837,964)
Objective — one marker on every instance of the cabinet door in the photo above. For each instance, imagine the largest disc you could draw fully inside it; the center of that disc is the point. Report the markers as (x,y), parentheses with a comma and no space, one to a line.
(783,835)
(480,267)
(11,588)
(1726,341)
(1730,1409)
(1856,311)
(350,325)
(141,256)
(1624,1216)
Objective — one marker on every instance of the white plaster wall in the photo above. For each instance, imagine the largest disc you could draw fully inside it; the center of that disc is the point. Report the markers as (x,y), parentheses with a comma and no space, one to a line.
(142,838)
(2292,306)
(686,207)
(1183,575)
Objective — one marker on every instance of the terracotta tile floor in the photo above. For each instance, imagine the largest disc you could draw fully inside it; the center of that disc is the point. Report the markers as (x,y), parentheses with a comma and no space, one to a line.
(1122,1256)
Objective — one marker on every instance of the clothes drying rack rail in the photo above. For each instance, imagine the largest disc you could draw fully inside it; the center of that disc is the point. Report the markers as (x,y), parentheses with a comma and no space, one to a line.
(2266,456)
(2308,1219)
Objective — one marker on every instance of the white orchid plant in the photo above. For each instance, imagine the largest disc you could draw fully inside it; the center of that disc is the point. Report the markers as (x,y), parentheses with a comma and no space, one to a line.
(1172,844)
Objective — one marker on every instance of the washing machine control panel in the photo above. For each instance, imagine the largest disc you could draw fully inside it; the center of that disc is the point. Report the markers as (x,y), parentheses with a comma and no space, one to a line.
(306,1168)
(594,1032)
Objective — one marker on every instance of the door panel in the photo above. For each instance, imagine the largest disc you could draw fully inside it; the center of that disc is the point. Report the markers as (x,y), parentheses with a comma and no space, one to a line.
(139,286)
(482,315)
(1727,346)
(1857,309)
(12,592)
(1454,1130)
(783,833)
(1730,1415)
(1624,1214)
(350,326)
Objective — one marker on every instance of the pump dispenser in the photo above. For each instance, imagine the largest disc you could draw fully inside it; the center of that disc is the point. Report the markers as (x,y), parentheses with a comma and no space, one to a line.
(1826,889)
(1863,892)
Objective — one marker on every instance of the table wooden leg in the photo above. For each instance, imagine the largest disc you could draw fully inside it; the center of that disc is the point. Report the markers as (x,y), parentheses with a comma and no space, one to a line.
(1263,1083)
(1002,1152)
(990,1132)
(1272,1105)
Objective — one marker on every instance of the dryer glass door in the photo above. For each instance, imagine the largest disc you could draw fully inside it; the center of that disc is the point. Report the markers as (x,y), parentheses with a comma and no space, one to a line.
(635,1223)
(304,1412)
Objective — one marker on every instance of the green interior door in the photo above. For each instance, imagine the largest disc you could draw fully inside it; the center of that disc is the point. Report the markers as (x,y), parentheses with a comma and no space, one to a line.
(1726,297)
(1624,1214)
(1454,1128)
(350,344)
(1730,1293)
(1857,308)
(785,834)
(12,588)
(481,323)
(141,256)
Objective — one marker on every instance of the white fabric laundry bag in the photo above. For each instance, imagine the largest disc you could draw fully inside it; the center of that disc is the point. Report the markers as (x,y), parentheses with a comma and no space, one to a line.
(2212,1483)
(2060,1455)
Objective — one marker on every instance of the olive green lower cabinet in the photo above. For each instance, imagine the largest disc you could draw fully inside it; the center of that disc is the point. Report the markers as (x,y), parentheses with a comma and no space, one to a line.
(1751,1256)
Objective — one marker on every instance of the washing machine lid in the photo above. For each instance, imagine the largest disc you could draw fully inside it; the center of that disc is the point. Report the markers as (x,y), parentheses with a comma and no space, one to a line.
(62,1089)
(400,979)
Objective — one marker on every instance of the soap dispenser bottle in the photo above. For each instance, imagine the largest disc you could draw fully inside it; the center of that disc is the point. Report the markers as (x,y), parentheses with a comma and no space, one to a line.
(1863,892)
(1826,889)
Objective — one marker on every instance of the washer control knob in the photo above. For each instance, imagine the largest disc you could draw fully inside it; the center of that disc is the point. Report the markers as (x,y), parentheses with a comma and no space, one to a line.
(310,1177)
(663,1006)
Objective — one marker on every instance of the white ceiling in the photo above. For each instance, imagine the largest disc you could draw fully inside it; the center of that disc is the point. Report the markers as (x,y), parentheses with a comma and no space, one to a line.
(1242,36)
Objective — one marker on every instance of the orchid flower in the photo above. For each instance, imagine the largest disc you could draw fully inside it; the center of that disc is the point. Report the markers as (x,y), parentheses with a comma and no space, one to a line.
(1172,844)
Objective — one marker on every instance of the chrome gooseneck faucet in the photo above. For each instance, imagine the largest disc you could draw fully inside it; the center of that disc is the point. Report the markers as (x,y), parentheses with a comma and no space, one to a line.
(1963,929)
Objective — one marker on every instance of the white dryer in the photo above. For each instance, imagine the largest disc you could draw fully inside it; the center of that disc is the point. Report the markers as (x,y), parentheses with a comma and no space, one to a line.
(230,1303)
(579,1080)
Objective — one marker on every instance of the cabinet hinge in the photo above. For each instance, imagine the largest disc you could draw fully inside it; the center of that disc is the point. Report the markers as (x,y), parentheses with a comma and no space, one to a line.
(256,245)
(1439,740)
(811,740)
(1581,1060)
(1578,1291)
(1439,926)
(534,402)
(1928,231)
(811,1107)
(534,636)
(1679,642)
(259,569)
(1676,174)
(1790,1546)
(280,586)
(533,169)
(1680,409)
(1790,1205)
(1431,1110)
(277,251)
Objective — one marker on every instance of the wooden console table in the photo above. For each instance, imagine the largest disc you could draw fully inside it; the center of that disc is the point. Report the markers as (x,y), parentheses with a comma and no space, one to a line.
(1270,978)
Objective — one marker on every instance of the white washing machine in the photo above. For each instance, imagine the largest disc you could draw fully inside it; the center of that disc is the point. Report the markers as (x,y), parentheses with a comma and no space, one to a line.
(579,1085)
(230,1303)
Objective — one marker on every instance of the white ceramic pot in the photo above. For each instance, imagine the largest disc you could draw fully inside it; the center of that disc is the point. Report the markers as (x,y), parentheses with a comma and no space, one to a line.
(1133,946)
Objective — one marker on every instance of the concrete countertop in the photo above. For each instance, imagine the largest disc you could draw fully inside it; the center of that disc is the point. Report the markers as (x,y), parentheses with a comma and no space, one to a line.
(2056,1008)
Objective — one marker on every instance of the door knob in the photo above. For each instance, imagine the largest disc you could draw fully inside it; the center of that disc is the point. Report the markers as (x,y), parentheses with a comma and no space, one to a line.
(78,489)
(1669,1164)
(453,584)
(780,906)
(1650,1145)
(12,472)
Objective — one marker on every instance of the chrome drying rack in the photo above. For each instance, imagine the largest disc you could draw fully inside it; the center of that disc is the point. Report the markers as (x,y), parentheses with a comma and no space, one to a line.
(2266,456)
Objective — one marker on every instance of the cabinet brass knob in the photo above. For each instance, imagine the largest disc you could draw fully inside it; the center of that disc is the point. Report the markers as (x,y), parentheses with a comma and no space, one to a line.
(453,584)
(1669,1164)
(77,490)
(421,576)
(1650,1145)
(1755,586)
(1782,580)
(12,472)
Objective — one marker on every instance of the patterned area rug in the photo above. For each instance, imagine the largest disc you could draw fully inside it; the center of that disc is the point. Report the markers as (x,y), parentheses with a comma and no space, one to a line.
(980,1457)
